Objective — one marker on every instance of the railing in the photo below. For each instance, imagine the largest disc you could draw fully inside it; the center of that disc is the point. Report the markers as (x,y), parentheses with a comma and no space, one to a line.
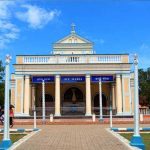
(69,59)
(106,110)
(48,110)
(72,110)
(144,110)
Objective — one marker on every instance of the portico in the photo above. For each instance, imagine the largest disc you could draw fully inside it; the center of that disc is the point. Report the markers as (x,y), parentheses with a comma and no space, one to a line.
(70,76)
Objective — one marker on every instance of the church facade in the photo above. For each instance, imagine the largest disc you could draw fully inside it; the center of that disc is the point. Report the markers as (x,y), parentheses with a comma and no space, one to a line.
(67,81)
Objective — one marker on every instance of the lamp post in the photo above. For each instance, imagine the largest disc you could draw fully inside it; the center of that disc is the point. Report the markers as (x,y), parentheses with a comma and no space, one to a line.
(110,117)
(43,102)
(111,102)
(100,101)
(136,139)
(6,142)
(34,117)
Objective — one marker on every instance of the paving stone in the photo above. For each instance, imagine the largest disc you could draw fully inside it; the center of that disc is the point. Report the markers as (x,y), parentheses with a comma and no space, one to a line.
(73,137)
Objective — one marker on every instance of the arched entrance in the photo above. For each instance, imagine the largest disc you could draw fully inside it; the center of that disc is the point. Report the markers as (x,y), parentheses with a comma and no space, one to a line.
(96,103)
(73,102)
(73,95)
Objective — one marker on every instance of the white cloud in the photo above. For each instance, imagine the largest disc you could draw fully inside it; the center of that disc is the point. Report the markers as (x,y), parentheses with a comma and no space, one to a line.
(8,30)
(36,17)
(4,9)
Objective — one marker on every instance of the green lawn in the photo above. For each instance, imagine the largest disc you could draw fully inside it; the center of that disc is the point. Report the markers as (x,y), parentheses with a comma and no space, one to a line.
(13,137)
(145,136)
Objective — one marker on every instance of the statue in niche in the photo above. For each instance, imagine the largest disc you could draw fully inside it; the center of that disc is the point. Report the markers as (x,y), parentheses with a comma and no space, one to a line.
(74,99)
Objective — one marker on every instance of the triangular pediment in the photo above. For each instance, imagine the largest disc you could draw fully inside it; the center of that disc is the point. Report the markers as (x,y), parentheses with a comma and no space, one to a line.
(73,44)
(73,38)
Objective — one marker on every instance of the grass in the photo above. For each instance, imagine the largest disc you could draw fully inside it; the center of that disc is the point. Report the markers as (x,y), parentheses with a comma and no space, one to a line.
(145,137)
(13,137)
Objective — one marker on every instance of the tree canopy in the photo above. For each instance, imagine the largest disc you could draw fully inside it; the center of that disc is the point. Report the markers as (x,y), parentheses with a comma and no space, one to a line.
(1,83)
(144,85)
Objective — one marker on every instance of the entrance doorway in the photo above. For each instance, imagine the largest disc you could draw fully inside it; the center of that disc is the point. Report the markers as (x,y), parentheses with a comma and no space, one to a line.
(104,104)
(49,105)
(96,100)
(73,102)
(48,100)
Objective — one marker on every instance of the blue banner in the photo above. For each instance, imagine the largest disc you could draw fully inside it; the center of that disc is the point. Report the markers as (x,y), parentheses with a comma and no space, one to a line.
(72,79)
(39,79)
(103,78)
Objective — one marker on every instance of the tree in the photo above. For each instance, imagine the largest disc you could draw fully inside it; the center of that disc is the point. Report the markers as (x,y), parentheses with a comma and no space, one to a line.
(2,85)
(144,84)
(148,73)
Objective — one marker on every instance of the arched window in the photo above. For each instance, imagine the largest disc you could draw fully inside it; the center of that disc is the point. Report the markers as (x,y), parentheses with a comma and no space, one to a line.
(73,94)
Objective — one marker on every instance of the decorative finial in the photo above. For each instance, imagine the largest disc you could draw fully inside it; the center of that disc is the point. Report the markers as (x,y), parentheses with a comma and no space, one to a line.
(8,58)
(73,28)
(135,59)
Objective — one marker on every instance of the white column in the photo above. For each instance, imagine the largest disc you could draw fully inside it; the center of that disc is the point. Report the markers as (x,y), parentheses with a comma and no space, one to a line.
(126,94)
(23,95)
(33,96)
(130,95)
(136,98)
(43,102)
(113,96)
(27,95)
(57,95)
(34,117)
(7,102)
(123,95)
(88,96)
(118,95)
(100,101)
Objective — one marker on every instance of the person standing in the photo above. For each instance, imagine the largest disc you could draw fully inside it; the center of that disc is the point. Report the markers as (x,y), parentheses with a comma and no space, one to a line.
(2,116)
(11,117)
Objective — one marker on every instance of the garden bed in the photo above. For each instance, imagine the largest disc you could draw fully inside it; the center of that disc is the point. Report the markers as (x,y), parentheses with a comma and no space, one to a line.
(145,137)
(14,137)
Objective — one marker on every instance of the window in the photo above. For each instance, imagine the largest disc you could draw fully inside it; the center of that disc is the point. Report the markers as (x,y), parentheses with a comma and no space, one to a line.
(70,40)
(75,40)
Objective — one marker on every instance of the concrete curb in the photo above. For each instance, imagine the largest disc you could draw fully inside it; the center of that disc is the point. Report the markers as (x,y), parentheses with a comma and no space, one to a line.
(22,140)
(20,130)
(122,139)
(130,129)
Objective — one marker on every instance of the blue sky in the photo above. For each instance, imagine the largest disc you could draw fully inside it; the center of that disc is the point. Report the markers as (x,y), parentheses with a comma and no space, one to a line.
(115,26)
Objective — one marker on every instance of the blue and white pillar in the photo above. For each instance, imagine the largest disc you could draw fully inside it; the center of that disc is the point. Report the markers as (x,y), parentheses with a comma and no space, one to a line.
(6,142)
(43,102)
(136,139)
(100,101)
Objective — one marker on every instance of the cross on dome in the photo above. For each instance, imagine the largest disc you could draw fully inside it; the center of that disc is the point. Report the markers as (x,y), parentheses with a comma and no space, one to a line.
(73,28)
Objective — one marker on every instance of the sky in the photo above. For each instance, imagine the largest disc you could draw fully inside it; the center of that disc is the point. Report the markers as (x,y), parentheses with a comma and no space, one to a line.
(30,27)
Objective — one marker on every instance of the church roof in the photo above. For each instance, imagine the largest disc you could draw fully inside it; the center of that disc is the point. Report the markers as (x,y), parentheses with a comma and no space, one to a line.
(73,35)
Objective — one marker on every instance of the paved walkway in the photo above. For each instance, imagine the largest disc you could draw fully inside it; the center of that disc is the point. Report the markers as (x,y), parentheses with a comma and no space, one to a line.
(73,137)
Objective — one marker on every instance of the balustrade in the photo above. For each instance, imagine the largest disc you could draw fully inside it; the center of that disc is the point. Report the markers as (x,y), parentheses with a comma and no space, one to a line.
(60,59)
